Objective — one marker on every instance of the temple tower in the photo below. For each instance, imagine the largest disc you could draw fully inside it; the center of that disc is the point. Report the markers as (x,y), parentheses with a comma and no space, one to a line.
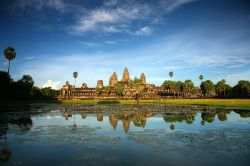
(125,76)
(143,78)
(100,84)
(113,79)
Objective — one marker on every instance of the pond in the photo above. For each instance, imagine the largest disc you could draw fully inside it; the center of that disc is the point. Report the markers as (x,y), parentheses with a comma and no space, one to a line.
(124,135)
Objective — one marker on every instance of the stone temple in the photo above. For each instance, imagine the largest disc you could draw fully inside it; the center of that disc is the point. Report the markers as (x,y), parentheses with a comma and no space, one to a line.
(147,91)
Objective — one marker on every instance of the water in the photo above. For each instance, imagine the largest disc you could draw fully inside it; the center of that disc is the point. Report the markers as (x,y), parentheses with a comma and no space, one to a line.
(125,135)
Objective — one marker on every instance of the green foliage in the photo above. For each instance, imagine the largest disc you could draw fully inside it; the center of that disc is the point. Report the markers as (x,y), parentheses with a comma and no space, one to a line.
(220,87)
(168,84)
(119,89)
(207,87)
(242,89)
(75,74)
(107,89)
(171,74)
(109,102)
(22,88)
(48,92)
(188,87)
(137,81)
(201,77)
(10,53)
(98,90)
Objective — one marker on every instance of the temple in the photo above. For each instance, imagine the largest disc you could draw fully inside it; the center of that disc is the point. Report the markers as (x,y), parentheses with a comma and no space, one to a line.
(123,89)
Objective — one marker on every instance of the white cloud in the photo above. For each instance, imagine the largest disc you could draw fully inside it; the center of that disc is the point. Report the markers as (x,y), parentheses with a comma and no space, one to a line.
(172,68)
(171,5)
(145,31)
(218,60)
(110,29)
(52,84)
(90,44)
(110,42)
(232,79)
(110,20)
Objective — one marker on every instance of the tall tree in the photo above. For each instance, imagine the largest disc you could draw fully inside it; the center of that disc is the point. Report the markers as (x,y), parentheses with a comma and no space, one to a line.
(171,74)
(187,87)
(5,84)
(220,87)
(201,77)
(75,75)
(242,89)
(23,87)
(10,54)
(207,87)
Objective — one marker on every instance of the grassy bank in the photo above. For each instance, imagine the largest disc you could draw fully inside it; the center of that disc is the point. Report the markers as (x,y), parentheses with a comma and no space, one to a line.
(244,103)
(239,103)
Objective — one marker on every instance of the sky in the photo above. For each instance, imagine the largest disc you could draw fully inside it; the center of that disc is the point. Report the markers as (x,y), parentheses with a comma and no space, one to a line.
(54,38)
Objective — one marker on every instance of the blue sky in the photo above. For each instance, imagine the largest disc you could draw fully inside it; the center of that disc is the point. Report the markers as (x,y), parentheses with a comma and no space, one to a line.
(54,38)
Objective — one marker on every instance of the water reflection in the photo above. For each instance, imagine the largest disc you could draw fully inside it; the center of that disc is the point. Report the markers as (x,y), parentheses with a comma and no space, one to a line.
(169,116)
(112,134)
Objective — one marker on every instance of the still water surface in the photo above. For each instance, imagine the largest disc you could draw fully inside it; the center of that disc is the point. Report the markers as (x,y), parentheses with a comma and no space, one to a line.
(124,135)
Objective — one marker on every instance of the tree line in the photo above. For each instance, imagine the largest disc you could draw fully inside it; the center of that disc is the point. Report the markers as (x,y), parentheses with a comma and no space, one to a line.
(23,89)
(206,89)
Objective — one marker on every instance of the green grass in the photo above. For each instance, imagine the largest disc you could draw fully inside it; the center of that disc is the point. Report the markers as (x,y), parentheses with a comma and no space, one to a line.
(209,102)
(239,103)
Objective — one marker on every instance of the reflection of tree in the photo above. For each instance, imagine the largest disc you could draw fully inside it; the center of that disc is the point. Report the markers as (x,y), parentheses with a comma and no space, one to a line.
(99,117)
(25,123)
(243,113)
(84,116)
(189,119)
(3,130)
(179,117)
(5,155)
(140,120)
(208,116)
(222,116)
(113,120)
(172,127)
(203,122)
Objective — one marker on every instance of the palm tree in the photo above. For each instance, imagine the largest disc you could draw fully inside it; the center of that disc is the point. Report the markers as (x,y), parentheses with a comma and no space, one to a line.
(171,74)
(10,54)
(75,74)
(201,77)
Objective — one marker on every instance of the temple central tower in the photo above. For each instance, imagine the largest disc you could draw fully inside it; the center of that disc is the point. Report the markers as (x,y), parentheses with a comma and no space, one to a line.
(113,79)
(125,76)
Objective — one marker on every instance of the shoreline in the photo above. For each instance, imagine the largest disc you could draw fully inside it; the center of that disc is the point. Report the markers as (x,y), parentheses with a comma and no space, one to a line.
(228,103)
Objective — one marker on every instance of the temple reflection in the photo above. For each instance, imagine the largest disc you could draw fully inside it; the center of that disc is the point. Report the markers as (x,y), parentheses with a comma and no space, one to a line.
(99,117)
(139,119)
(113,120)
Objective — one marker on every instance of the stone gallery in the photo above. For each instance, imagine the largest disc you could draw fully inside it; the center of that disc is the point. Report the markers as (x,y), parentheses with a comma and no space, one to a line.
(126,88)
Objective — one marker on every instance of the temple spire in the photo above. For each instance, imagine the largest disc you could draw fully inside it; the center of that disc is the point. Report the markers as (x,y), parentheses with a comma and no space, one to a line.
(125,76)
(143,78)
